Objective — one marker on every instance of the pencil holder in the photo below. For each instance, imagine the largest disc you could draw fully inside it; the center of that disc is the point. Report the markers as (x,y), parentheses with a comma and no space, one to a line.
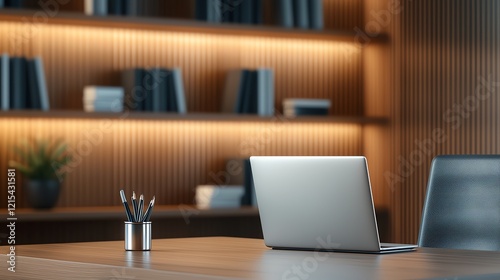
(137,236)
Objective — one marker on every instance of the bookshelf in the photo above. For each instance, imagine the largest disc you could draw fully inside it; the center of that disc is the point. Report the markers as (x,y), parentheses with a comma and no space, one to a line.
(169,154)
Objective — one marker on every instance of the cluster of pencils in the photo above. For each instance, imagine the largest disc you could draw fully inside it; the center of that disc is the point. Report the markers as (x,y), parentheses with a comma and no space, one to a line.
(137,216)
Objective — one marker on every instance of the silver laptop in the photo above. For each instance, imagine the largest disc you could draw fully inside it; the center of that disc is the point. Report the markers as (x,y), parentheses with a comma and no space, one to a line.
(318,203)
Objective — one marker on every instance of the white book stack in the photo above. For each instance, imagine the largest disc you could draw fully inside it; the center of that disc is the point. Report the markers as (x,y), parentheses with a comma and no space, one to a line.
(294,107)
(213,196)
(103,99)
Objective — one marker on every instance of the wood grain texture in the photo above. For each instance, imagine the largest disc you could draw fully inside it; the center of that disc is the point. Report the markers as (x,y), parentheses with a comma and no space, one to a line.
(221,257)
(445,74)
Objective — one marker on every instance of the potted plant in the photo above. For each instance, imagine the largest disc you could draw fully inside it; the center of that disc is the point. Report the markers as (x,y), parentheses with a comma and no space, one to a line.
(42,165)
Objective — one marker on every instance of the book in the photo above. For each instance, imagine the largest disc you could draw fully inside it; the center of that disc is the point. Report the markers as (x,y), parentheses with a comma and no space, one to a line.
(96,7)
(2,4)
(14,3)
(159,91)
(262,92)
(131,8)
(135,92)
(33,96)
(208,10)
(301,13)
(214,196)
(102,92)
(316,14)
(258,12)
(239,172)
(270,92)
(18,83)
(171,97)
(114,106)
(233,89)
(179,91)
(301,107)
(247,11)
(249,98)
(115,7)
(148,84)
(42,84)
(285,13)
(4,82)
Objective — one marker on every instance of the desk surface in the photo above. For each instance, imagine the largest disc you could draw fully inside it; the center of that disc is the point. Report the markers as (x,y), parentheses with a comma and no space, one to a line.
(228,258)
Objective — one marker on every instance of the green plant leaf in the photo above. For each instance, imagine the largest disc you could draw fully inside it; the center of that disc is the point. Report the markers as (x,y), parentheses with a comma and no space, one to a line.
(21,167)
(58,151)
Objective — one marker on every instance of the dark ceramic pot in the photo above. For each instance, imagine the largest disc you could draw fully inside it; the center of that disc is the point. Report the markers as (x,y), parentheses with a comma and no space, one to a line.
(42,194)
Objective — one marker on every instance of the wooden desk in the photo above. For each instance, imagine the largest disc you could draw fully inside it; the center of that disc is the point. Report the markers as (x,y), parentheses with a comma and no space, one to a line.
(225,257)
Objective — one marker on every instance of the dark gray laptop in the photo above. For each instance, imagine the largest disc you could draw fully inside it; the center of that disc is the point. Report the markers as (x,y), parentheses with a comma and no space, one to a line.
(318,203)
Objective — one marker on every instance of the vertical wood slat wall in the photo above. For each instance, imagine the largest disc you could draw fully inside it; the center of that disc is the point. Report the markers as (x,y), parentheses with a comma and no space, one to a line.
(446,73)
(169,158)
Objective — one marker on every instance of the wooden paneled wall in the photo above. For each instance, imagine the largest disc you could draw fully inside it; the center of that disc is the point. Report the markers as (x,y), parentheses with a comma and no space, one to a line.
(166,158)
(445,77)
(169,158)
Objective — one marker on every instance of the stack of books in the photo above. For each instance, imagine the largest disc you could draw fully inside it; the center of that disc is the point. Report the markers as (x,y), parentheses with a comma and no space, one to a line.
(11,3)
(154,90)
(113,7)
(214,196)
(305,14)
(294,107)
(249,92)
(22,84)
(230,11)
(103,99)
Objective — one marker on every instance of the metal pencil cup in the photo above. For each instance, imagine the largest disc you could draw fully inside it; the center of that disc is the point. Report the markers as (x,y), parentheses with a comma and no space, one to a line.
(138,236)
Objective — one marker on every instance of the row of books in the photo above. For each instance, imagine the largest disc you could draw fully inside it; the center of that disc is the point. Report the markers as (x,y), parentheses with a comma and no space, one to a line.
(305,14)
(113,7)
(11,3)
(249,92)
(154,90)
(22,84)
(232,11)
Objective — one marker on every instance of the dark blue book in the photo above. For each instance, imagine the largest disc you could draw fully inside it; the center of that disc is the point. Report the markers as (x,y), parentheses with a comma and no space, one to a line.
(227,8)
(244,99)
(131,8)
(2,3)
(14,3)
(148,83)
(258,12)
(316,14)
(18,83)
(171,96)
(34,93)
(4,82)
(253,95)
(201,10)
(160,89)
(301,13)
(135,92)
(115,7)
(247,11)
(285,13)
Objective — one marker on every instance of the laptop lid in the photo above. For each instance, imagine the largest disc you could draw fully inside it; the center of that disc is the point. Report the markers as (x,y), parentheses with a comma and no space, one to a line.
(316,203)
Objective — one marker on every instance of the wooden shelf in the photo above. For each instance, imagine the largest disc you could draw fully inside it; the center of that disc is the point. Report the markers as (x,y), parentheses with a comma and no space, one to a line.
(72,114)
(178,25)
(117,212)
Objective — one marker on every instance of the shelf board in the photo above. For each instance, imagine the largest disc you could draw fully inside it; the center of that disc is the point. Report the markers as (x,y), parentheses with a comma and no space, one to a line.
(181,25)
(117,212)
(222,117)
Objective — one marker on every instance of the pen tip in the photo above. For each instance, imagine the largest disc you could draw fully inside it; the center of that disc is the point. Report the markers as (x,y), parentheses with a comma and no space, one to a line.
(154,198)
(142,197)
(133,195)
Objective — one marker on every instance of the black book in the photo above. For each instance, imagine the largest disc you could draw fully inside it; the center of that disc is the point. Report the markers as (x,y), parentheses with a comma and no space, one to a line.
(227,8)
(248,195)
(18,83)
(115,7)
(34,94)
(201,10)
(14,3)
(135,93)
(171,96)
(258,12)
(148,83)
(252,96)
(160,89)
(247,11)
(244,100)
